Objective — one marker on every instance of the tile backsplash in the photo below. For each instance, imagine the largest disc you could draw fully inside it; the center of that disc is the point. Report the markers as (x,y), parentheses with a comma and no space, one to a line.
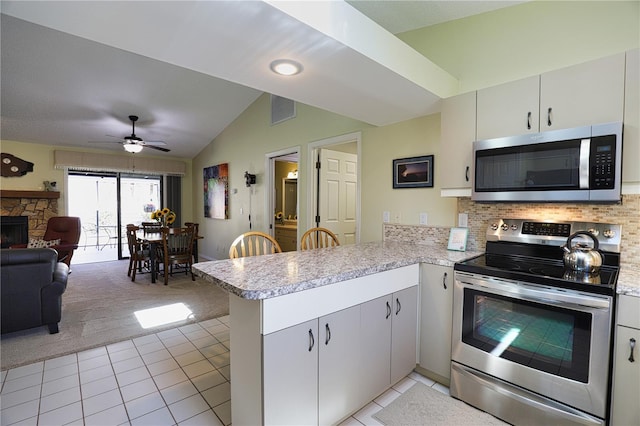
(626,214)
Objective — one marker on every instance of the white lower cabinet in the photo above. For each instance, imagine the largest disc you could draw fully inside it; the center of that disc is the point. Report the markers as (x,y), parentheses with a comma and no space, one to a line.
(626,376)
(316,356)
(320,371)
(311,370)
(436,310)
(389,332)
(292,357)
(375,319)
(404,325)
(338,361)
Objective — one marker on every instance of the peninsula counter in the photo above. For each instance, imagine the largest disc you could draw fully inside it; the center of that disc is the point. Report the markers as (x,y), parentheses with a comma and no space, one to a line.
(317,334)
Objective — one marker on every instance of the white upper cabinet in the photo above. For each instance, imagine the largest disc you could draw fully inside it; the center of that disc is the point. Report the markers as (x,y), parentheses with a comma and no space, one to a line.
(631,131)
(584,94)
(579,95)
(458,131)
(509,109)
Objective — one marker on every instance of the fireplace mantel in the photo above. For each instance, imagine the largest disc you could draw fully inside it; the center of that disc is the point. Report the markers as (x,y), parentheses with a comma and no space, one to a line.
(10,193)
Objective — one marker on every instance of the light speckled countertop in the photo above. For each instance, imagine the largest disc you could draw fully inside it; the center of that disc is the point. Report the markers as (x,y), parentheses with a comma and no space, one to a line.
(628,281)
(268,276)
(262,277)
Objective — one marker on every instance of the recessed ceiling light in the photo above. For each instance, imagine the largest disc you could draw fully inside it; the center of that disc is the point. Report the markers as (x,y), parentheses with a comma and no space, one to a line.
(286,67)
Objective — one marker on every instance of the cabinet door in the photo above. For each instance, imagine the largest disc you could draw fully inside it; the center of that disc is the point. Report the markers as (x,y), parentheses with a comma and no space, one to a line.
(375,320)
(509,109)
(290,375)
(404,326)
(339,356)
(436,310)
(631,144)
(584,94)
(458,131)
(626,381)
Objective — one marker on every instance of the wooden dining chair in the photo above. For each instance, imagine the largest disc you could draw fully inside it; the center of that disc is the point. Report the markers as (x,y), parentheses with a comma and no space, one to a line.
(151,227)
(138,254)
(177,251)
(253,243)
(196,229)
(318,238)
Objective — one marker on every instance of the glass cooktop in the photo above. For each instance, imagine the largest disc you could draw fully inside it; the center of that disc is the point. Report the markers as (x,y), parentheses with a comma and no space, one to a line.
(541,271)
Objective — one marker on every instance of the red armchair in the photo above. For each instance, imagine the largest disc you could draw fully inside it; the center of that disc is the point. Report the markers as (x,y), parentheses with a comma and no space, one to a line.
(67,228)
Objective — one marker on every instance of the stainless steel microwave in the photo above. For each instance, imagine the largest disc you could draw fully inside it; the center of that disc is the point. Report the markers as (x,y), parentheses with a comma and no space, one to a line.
(579,164)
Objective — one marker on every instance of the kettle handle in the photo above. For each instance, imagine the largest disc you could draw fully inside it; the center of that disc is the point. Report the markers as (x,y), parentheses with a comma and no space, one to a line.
(588,234)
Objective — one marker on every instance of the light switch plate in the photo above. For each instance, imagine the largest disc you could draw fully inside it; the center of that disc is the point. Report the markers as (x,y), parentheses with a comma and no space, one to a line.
(386,217)
(463,220)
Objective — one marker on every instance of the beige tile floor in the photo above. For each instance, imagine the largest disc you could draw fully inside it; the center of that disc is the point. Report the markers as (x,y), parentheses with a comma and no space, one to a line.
(175,377)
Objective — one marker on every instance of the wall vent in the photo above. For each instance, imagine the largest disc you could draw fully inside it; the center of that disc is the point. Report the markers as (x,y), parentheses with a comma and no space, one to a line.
(282,109)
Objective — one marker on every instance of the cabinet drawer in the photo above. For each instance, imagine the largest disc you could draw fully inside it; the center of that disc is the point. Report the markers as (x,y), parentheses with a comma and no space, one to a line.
(629,311)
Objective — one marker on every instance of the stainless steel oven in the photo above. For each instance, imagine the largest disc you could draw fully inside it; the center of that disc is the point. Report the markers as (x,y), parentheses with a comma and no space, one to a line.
(531,343)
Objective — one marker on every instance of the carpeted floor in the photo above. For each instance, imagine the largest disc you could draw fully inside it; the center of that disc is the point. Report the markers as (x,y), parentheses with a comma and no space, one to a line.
(98,308)
(422,405)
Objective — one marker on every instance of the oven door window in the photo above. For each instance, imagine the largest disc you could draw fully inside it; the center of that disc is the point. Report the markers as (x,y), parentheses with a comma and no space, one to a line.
(540,167)
(535,335)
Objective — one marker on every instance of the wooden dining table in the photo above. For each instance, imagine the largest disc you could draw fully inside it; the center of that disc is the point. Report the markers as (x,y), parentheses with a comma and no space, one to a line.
(154,239)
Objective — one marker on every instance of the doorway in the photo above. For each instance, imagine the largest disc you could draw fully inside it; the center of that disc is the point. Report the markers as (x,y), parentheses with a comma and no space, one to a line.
(335,186)
(105,203)
(283,198)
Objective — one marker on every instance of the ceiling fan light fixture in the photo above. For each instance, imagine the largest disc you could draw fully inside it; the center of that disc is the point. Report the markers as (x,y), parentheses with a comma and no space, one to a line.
(132,148)
(286,67)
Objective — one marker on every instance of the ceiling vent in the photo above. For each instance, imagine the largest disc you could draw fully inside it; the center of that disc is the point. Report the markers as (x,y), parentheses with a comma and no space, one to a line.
(282,109)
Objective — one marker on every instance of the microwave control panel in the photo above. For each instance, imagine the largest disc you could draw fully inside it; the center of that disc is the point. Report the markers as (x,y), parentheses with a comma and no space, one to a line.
(602,168)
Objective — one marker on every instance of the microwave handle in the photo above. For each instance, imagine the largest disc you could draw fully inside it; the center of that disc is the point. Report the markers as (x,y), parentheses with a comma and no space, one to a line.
(585,152)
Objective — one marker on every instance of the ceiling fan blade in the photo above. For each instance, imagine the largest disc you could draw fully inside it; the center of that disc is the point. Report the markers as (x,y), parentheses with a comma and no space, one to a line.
(120,141)
(159,148)
(147,143)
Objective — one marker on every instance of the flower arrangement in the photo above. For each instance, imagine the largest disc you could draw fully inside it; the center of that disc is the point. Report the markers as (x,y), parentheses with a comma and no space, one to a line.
(165,216)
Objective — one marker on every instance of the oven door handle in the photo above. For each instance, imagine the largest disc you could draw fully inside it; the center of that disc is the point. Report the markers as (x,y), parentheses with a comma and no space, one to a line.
(519,290)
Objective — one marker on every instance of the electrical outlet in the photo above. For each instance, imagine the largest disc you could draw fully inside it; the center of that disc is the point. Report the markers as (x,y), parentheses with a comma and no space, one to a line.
(397,217)
(386,217)
(423,218)
(463,220)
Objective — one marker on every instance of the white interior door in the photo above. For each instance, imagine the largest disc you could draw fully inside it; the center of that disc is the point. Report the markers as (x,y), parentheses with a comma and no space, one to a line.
(338,179)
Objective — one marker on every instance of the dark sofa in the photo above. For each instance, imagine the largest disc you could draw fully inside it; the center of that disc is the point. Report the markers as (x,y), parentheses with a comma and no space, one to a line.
(32,282)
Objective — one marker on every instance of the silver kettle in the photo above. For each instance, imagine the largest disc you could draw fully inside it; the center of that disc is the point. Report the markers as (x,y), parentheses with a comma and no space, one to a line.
(580,257)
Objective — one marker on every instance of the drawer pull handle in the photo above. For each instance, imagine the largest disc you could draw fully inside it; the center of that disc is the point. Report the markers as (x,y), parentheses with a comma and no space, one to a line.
(549,117)
(466,174)
(398,306)
(444,280)
(632,344)
(529,120)
(388,310)
(328,334)
(312,341)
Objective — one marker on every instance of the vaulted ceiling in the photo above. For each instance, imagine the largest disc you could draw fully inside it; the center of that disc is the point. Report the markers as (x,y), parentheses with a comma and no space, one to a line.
(72,72)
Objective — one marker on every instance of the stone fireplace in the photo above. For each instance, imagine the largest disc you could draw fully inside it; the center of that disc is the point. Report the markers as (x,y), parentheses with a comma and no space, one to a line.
(36,206)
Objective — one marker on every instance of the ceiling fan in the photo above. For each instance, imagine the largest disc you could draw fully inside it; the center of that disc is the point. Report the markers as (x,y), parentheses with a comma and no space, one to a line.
(133,143)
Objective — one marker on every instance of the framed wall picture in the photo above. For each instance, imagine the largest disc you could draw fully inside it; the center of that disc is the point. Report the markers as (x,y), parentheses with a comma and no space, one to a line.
(458,239)
(216,191)
(413,172)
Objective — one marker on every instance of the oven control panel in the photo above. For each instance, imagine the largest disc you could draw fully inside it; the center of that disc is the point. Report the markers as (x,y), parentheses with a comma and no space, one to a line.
(546,228)
(556,233)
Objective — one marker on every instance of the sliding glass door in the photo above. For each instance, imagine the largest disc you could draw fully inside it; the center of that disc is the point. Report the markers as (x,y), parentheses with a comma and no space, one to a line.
(106,203)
